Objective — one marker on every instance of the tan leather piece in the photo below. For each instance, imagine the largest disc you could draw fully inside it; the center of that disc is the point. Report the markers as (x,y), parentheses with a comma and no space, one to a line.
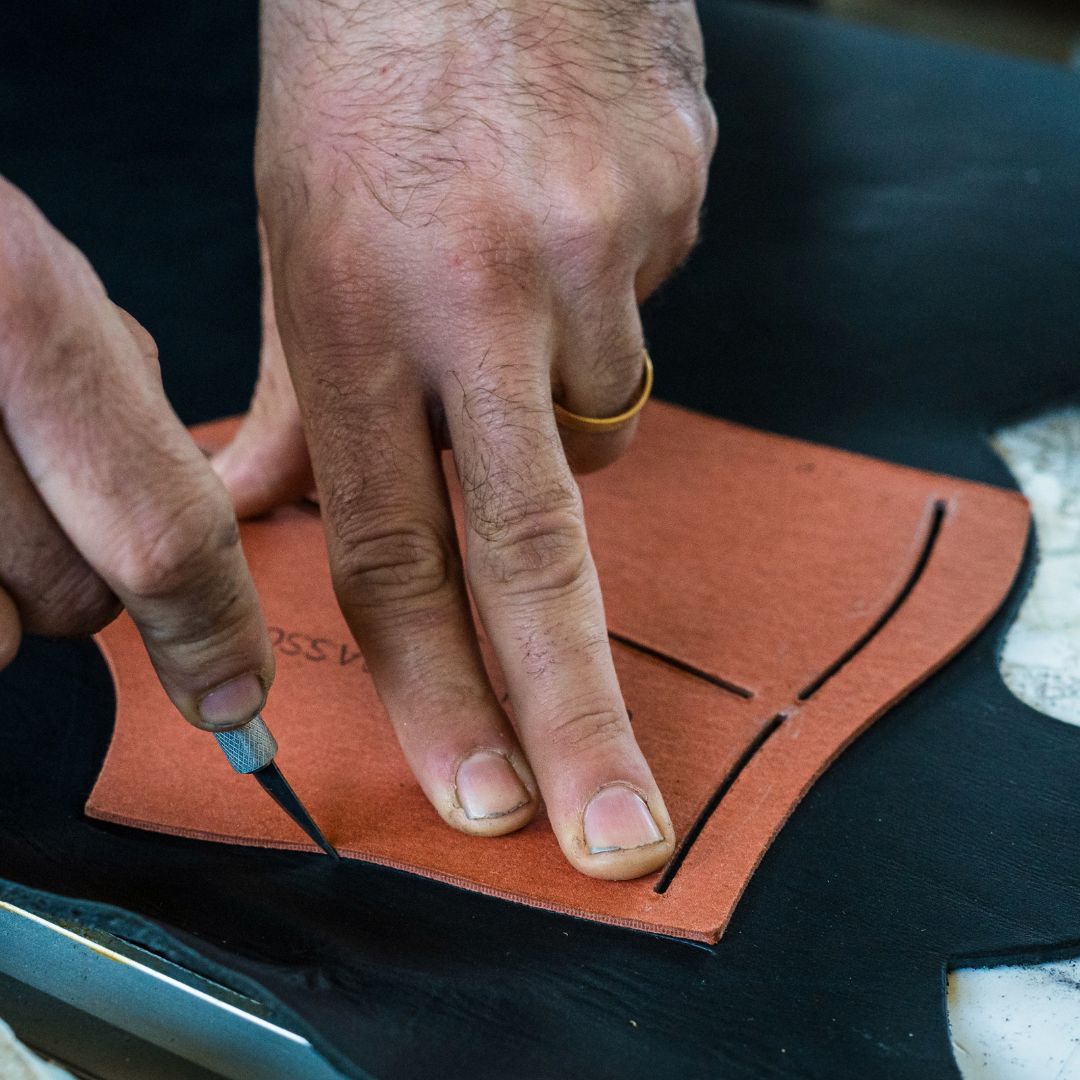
(746,558)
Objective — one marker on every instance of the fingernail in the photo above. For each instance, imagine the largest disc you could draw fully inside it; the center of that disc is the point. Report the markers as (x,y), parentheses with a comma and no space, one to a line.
(616,819)
(488,787)
(232,703)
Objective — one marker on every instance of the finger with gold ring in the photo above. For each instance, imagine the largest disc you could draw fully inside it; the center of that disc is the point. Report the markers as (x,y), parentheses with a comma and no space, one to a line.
(604,425)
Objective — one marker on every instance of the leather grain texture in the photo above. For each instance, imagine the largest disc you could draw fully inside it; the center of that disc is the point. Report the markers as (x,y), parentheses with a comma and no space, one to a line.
(768,598)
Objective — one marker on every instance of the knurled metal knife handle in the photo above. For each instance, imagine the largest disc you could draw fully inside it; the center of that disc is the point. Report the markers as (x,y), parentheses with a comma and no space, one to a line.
(248,748)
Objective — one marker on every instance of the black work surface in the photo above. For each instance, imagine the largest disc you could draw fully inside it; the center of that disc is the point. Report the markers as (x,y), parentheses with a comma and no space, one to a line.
(891,264)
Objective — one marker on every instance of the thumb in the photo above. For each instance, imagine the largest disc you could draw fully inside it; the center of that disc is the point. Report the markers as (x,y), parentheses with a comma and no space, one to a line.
(267,465)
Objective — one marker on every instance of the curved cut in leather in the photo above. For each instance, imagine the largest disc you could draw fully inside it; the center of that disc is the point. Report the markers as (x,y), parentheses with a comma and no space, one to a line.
(768,598)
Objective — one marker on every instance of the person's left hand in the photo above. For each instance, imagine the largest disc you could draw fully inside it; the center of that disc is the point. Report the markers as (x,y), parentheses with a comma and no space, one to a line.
(463,206)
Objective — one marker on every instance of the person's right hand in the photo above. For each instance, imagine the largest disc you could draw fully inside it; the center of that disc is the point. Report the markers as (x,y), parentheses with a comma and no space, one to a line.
(106,501)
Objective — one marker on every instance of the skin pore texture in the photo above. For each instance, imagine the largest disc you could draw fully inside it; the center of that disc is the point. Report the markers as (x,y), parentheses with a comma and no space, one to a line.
(462,206)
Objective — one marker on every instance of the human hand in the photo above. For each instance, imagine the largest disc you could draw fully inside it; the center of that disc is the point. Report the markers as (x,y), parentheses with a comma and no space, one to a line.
(464,205)
(106,500)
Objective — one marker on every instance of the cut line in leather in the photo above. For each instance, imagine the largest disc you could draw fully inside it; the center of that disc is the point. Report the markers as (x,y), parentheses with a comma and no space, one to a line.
(936,518)
(682,665)
(667,875)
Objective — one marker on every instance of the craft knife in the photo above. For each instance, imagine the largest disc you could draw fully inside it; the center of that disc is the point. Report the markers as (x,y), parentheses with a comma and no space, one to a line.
(250,749)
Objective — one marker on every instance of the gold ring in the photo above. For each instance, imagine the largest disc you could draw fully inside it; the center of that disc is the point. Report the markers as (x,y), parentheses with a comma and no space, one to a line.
(602,425)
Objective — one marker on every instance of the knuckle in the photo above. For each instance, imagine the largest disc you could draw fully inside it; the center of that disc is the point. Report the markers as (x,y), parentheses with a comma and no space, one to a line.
(327,270)
(321,271)
(591,219)
(221,623)
(545,553)
(202,633)
(710,128)
(391,566)
(679,177)
(685,240)
(34,257)
(72,603)
(172,547)
(617,370)
(27,293)
(46,290)
(589,730)
(596,202)
(692,132)
(21,246)
(143,339)
(492,251)
(55,590)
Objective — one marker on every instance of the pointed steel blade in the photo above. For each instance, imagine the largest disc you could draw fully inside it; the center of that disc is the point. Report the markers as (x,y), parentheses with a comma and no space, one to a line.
(277,787)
